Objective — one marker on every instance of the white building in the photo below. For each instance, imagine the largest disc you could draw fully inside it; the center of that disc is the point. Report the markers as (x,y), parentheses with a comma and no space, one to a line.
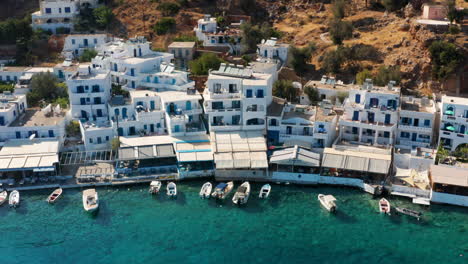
(328,88)
(21,76)
(207,30)
(417,123)
(55,14)
(371,115)
(271,49)
(18,121)
(236,98)
(309,126)
(131,62)
(449,185)
(75,44)
(454,122)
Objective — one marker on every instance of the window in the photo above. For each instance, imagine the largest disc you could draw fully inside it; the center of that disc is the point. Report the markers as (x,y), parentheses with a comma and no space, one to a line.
(235,104)
(233,88)
(91,141)
(217,105)
(67,10)
(51,133)
(427,123)
(73,42)
(288,130)
(48,10)
(217,88)
(99,112)
(97,100)
(248,93)
(95,88)
(357,99)
(273,122)
(259,93)
(95,41)
(386,134)
(18,134)
(404,134)
(60,10)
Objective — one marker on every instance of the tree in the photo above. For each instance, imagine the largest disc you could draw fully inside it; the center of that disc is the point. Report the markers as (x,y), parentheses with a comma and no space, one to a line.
(445,59)
(253,34)
(338,9)
(333,60)
(285,89)
(164,25)
(340,30)
(342,95)
(45,86)
(442,154)
(73,128)
(313,94)
(298,57)
(103,16)
(392,5)
(88,55)
(453,14)
(363,75)
(9,87)
(204,63)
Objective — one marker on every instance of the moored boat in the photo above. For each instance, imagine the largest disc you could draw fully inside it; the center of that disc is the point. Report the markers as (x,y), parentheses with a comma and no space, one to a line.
(409,212)
(54,195)
(242,194)
(265,191)
(90,200)
(222,190)
(171,189)
(328,201)
(206,190)
(155,186)
(14,199)
(3,197)
(384,206)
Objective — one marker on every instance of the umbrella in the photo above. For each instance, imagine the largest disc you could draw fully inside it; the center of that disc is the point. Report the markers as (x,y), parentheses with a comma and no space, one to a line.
(450,128)
(449,112)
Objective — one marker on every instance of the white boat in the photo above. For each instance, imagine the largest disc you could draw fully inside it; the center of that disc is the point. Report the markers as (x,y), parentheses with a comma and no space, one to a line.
(242,194)
(3,197)
(154,187)
(265,191)
(384,206)
(90,200)
(222,190)
(206,190)
(172,189)
(328,201)
(54,195)
(14,198)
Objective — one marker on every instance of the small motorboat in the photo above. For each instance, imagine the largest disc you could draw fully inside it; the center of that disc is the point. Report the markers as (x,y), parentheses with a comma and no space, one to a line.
(3,197)
(265,191)
(54,195)
(222,190)
(171,189)
(242,194)
(328,201)
(90,200)
(154,187)
(384,206)
(14,199)
(206,190)
(409,212)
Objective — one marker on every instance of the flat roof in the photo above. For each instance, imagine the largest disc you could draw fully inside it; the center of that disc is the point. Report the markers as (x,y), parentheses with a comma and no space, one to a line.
(276,106)
(295,156)
(30,147)
(454,100)
(417,104)
(356,160)
(35,117)
(181,44)
(449,175)
(172,96)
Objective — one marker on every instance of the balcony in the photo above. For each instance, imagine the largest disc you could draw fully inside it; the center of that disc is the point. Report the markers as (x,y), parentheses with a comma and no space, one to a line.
(365,124)
(260,108)
(424,129)
(225,94)
(456,119)
(194,127)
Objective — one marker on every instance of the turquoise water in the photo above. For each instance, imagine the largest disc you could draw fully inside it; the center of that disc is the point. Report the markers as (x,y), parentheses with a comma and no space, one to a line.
(134,227)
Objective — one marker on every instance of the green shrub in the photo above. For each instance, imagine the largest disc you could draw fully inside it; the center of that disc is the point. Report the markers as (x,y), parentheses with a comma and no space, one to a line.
(445,59)
(88,55)
(313,94)
(387,74)
(164,25)
(103,16)
(338,9)
(186,38)
(204,63)
(4,86)
(168,8)
(298,57)
(45,87)
(285,89)
(363,75)
(73,128)
(453,29)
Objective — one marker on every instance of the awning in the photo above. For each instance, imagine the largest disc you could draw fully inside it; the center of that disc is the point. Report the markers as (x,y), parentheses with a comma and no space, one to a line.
(146,152)
(258,160)
(295,156)
(449,112)
(241,160)
(450,128)
(356,160)
(224,161)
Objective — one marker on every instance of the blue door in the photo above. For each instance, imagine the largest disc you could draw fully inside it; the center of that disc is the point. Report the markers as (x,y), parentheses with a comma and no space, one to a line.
(249,93)
(370,117)
(357,99)
(462,129)
(124,112)
(84,114)
(139,52)
(151,128)
(176,128)
(99,140)
(99,112)
(51,133)
(387,119)
(120,131)
(133,84)
(82,101)
(152,105)
(414,137)
(356,116)
(116,112)
(85,42)
(115,68)
(18,134)
(132,72)
(188,105)
(355,130)
(265,53)
(2,121)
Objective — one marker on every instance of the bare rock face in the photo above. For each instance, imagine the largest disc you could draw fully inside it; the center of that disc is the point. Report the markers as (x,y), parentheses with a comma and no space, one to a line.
(409,11)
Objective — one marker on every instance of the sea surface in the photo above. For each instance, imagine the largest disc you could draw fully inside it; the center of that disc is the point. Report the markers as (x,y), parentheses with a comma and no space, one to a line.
(290,227)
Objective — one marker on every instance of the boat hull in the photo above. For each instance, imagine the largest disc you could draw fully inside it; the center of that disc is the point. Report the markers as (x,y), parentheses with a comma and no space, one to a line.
(206,190)
(327,204)
(53,197)
(384,206)
(90,200)
(242,194)
(14,199)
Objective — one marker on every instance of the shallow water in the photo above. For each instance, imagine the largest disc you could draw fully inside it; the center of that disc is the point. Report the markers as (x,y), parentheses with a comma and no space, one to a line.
(135,227)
